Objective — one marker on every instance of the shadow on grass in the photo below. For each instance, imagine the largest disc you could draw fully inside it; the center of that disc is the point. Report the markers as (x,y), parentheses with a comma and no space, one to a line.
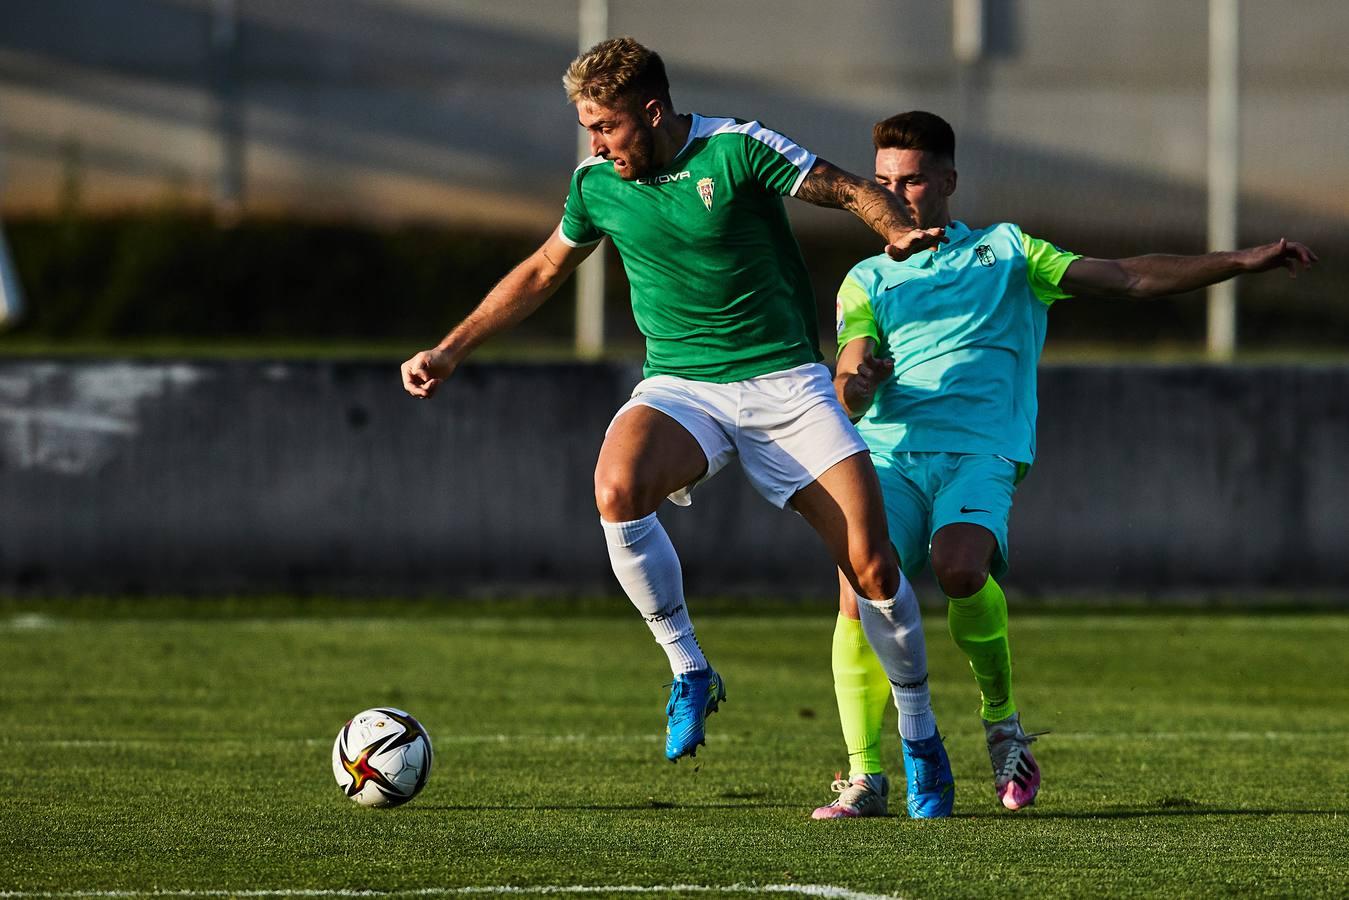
(600,807)
(1147,813)
(1026,816)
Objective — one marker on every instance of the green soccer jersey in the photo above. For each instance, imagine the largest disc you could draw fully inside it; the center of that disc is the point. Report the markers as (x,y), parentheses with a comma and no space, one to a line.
(965,325)
(719,288)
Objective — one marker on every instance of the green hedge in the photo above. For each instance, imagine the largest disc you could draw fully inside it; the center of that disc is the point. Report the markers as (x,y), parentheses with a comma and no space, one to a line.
(176,274)
(173,274)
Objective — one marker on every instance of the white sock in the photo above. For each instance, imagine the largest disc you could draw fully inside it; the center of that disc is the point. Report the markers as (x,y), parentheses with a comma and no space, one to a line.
(647,567)
(894,628)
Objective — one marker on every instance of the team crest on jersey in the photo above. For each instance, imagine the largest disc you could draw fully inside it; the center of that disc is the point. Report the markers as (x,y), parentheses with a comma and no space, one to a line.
(984,254)
(705,188)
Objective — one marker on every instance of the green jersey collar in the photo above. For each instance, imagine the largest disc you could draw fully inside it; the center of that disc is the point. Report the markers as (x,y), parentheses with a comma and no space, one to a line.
(693,134)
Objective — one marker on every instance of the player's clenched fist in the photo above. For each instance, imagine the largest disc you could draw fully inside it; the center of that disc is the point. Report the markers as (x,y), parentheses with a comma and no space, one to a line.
(862,385)
(424,372)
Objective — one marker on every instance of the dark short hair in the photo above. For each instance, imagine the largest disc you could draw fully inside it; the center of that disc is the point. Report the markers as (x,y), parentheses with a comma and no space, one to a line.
(916,130)
(614,69)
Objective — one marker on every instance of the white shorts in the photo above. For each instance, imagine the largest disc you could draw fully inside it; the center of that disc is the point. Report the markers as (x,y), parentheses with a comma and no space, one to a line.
(787,427)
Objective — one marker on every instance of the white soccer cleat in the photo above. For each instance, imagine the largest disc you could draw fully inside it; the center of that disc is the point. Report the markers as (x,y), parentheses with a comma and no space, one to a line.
(863,796)
(1016,775)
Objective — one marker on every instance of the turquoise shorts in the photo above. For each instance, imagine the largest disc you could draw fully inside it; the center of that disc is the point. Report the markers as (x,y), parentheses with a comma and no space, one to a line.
(924,492)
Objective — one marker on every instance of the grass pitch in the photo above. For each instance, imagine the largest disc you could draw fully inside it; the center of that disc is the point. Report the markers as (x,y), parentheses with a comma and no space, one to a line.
(186,750)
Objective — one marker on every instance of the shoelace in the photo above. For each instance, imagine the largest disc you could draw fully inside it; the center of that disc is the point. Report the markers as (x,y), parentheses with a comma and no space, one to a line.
(926,772)
(849,794)
(1008,751)
(677,689)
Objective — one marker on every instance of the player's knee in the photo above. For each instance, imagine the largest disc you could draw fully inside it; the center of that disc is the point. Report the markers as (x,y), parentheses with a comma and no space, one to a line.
(615,498)
(877,577)
(619,497)
(959,577)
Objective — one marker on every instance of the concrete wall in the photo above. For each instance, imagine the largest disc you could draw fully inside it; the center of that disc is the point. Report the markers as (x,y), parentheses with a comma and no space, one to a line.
(278,477)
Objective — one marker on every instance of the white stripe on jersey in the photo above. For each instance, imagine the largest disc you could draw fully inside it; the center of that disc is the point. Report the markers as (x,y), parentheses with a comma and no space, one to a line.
(562,236)
(803,159)
(589,161)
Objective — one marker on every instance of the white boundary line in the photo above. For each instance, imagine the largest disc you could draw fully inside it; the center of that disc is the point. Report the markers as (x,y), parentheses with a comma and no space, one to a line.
(828,891)
(1234,619)
(242,743)
(1074,736)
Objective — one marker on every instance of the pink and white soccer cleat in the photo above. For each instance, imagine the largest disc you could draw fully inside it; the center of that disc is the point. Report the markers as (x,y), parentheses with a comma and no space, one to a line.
(1016,775)
(860,797)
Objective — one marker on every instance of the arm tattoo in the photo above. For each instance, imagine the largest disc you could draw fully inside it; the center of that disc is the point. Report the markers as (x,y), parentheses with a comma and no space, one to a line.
(827,185)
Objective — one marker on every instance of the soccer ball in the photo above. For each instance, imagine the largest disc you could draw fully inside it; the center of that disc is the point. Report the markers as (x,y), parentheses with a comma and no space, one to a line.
(382,757)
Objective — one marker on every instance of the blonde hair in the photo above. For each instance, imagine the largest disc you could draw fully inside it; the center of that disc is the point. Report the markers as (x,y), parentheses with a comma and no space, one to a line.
(619,68)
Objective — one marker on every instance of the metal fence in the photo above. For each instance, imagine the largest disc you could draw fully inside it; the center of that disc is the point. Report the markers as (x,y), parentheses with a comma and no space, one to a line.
(1087,122)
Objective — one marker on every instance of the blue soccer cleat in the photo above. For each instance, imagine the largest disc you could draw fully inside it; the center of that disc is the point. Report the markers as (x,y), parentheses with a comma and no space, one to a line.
(693,696)
(932,787)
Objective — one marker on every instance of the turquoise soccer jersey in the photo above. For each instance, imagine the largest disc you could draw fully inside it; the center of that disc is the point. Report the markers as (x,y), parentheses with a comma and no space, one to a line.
(719,289)
(965,325)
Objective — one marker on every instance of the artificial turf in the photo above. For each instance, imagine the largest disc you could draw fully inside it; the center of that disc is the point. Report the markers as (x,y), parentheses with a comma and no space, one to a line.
(1194,754)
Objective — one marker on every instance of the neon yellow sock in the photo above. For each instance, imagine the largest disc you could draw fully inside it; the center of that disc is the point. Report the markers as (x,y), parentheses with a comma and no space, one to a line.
(863,692)
(979,626)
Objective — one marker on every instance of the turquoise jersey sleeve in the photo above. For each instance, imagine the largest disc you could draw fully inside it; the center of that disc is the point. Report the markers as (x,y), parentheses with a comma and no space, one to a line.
(1045,265)
(577,229)
(853,313)
(776,161)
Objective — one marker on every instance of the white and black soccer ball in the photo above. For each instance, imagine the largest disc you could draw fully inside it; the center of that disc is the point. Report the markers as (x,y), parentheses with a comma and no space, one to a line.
(382,757)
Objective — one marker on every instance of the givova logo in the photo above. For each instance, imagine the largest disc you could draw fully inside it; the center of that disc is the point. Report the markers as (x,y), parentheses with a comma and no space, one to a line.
(665,179)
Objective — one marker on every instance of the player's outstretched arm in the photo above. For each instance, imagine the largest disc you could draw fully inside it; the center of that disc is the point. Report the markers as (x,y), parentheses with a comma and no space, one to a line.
(1158,274)
(859,374)
(828,185)
(517,295)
